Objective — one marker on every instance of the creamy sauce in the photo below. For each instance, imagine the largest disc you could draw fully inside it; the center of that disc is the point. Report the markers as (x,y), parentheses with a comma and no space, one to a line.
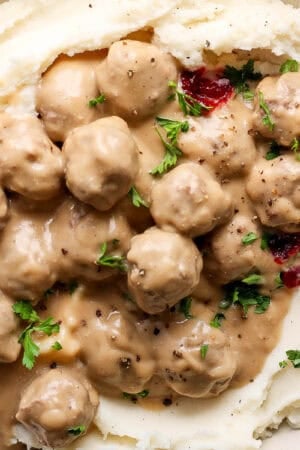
(134,338)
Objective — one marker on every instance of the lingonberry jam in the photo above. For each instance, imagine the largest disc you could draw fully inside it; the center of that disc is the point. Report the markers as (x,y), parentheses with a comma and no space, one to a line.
(283,246)
(291,277)
(209,88)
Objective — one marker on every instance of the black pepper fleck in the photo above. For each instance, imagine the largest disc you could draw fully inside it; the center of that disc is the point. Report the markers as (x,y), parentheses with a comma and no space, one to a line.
(167,401)
(156,331)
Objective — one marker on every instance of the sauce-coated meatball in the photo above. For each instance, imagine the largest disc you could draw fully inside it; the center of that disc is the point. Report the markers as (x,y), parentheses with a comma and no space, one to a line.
(186,369)
(78,233)
(282,95)
(115,353)
(189,200)
(55,403)
(163,268)
(30,164)
(9,331)
(134,78)
(101,162)
(228,258)
(221,140)
(63,96)
(274,188)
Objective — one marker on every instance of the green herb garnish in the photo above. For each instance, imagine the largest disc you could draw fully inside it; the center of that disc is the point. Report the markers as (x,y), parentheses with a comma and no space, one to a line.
(290,65)
(185,307)
(97,101)
(249,238)
(295,147)
(278,281)
(294,357)
(238,78)
(283,364)
(244,295)
(134,397)
(113,261)
(77,431)
(216,322)
(203,351)
(172,153)
(188,105)
(274,151)
(136,198)
(57,346)
(253,279)
(267,119)
(264,245)
(173,128)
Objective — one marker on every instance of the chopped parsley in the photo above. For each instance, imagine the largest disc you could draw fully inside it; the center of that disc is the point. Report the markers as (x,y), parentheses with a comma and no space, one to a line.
(249,238)
(172,153)
(113,261)
(273,152)
(254,278)
(238,78)
(290,65)
(185,307)
(136,198)
(294,357)
(216,322)
(134,397)
(203,351)
(97,101)
(73,285)
(245,295)
(77,431)
(295,147)
(188,105)
(278,281)
(267,119)
(57,346)
(25,311)
(173,127)
(264,245)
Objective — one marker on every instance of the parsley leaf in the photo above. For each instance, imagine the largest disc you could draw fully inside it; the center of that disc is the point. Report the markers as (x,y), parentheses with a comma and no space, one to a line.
(185,307)
(253,279)
(97,101)
(274,151)
(216,322)
(278,281)
(249,238)
(283,364)
(188,105)
(134,397)
(290,65)
(238,78)
(25,311)
(31,349)
(203,351)
(77,431)
(172,153)
(264,245)
(244,295)
(136,198)
(295,146)
(294,357)
(172,127)
(57,346)
(267,119)
(113,261)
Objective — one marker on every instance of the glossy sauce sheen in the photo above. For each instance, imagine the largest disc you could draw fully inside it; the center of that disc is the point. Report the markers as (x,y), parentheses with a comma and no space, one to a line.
(135,336)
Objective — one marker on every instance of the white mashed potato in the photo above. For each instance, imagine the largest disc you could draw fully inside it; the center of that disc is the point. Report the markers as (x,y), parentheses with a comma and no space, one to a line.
(32,34)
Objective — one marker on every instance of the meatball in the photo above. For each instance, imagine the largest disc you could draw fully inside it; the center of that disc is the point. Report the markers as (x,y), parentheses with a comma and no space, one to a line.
(282,96)
(115,353)
(228,258)
(30,164)
(79,232)
(134,78)
(163,268)
(55,403)
(189,200)
(9,331)
(63,96)
(186,369)
(28,261)
(274,188)
(101,162)
(221,140)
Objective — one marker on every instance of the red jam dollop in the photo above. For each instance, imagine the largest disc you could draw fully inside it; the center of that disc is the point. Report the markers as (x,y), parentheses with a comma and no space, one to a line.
(291,277)
(283,246)
(209,88)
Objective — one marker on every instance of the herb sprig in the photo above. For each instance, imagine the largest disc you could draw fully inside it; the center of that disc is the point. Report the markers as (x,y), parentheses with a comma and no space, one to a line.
(136,198)
(97,101)
(295,147)
(188,105)
(294,357)
(249,238)
(134,397)
(113,261)
(273,152)
(216,322)
(77,431)
(290,65)
(267,119)
(185,307)
(238,78)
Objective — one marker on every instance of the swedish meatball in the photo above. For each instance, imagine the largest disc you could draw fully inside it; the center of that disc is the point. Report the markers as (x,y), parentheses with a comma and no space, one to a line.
(221,140)
(282,96)
(55,403)
(28,260)
(274,188)
(112,348)
(185,369)
(30,164)
(101,162)
(9,331)
(189,200)
(228,258)
(63,96)
(134,78)
(163,268)
(78,233)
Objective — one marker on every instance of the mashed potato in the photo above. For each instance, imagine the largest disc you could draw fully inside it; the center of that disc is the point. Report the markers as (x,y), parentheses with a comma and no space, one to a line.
(32,35)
